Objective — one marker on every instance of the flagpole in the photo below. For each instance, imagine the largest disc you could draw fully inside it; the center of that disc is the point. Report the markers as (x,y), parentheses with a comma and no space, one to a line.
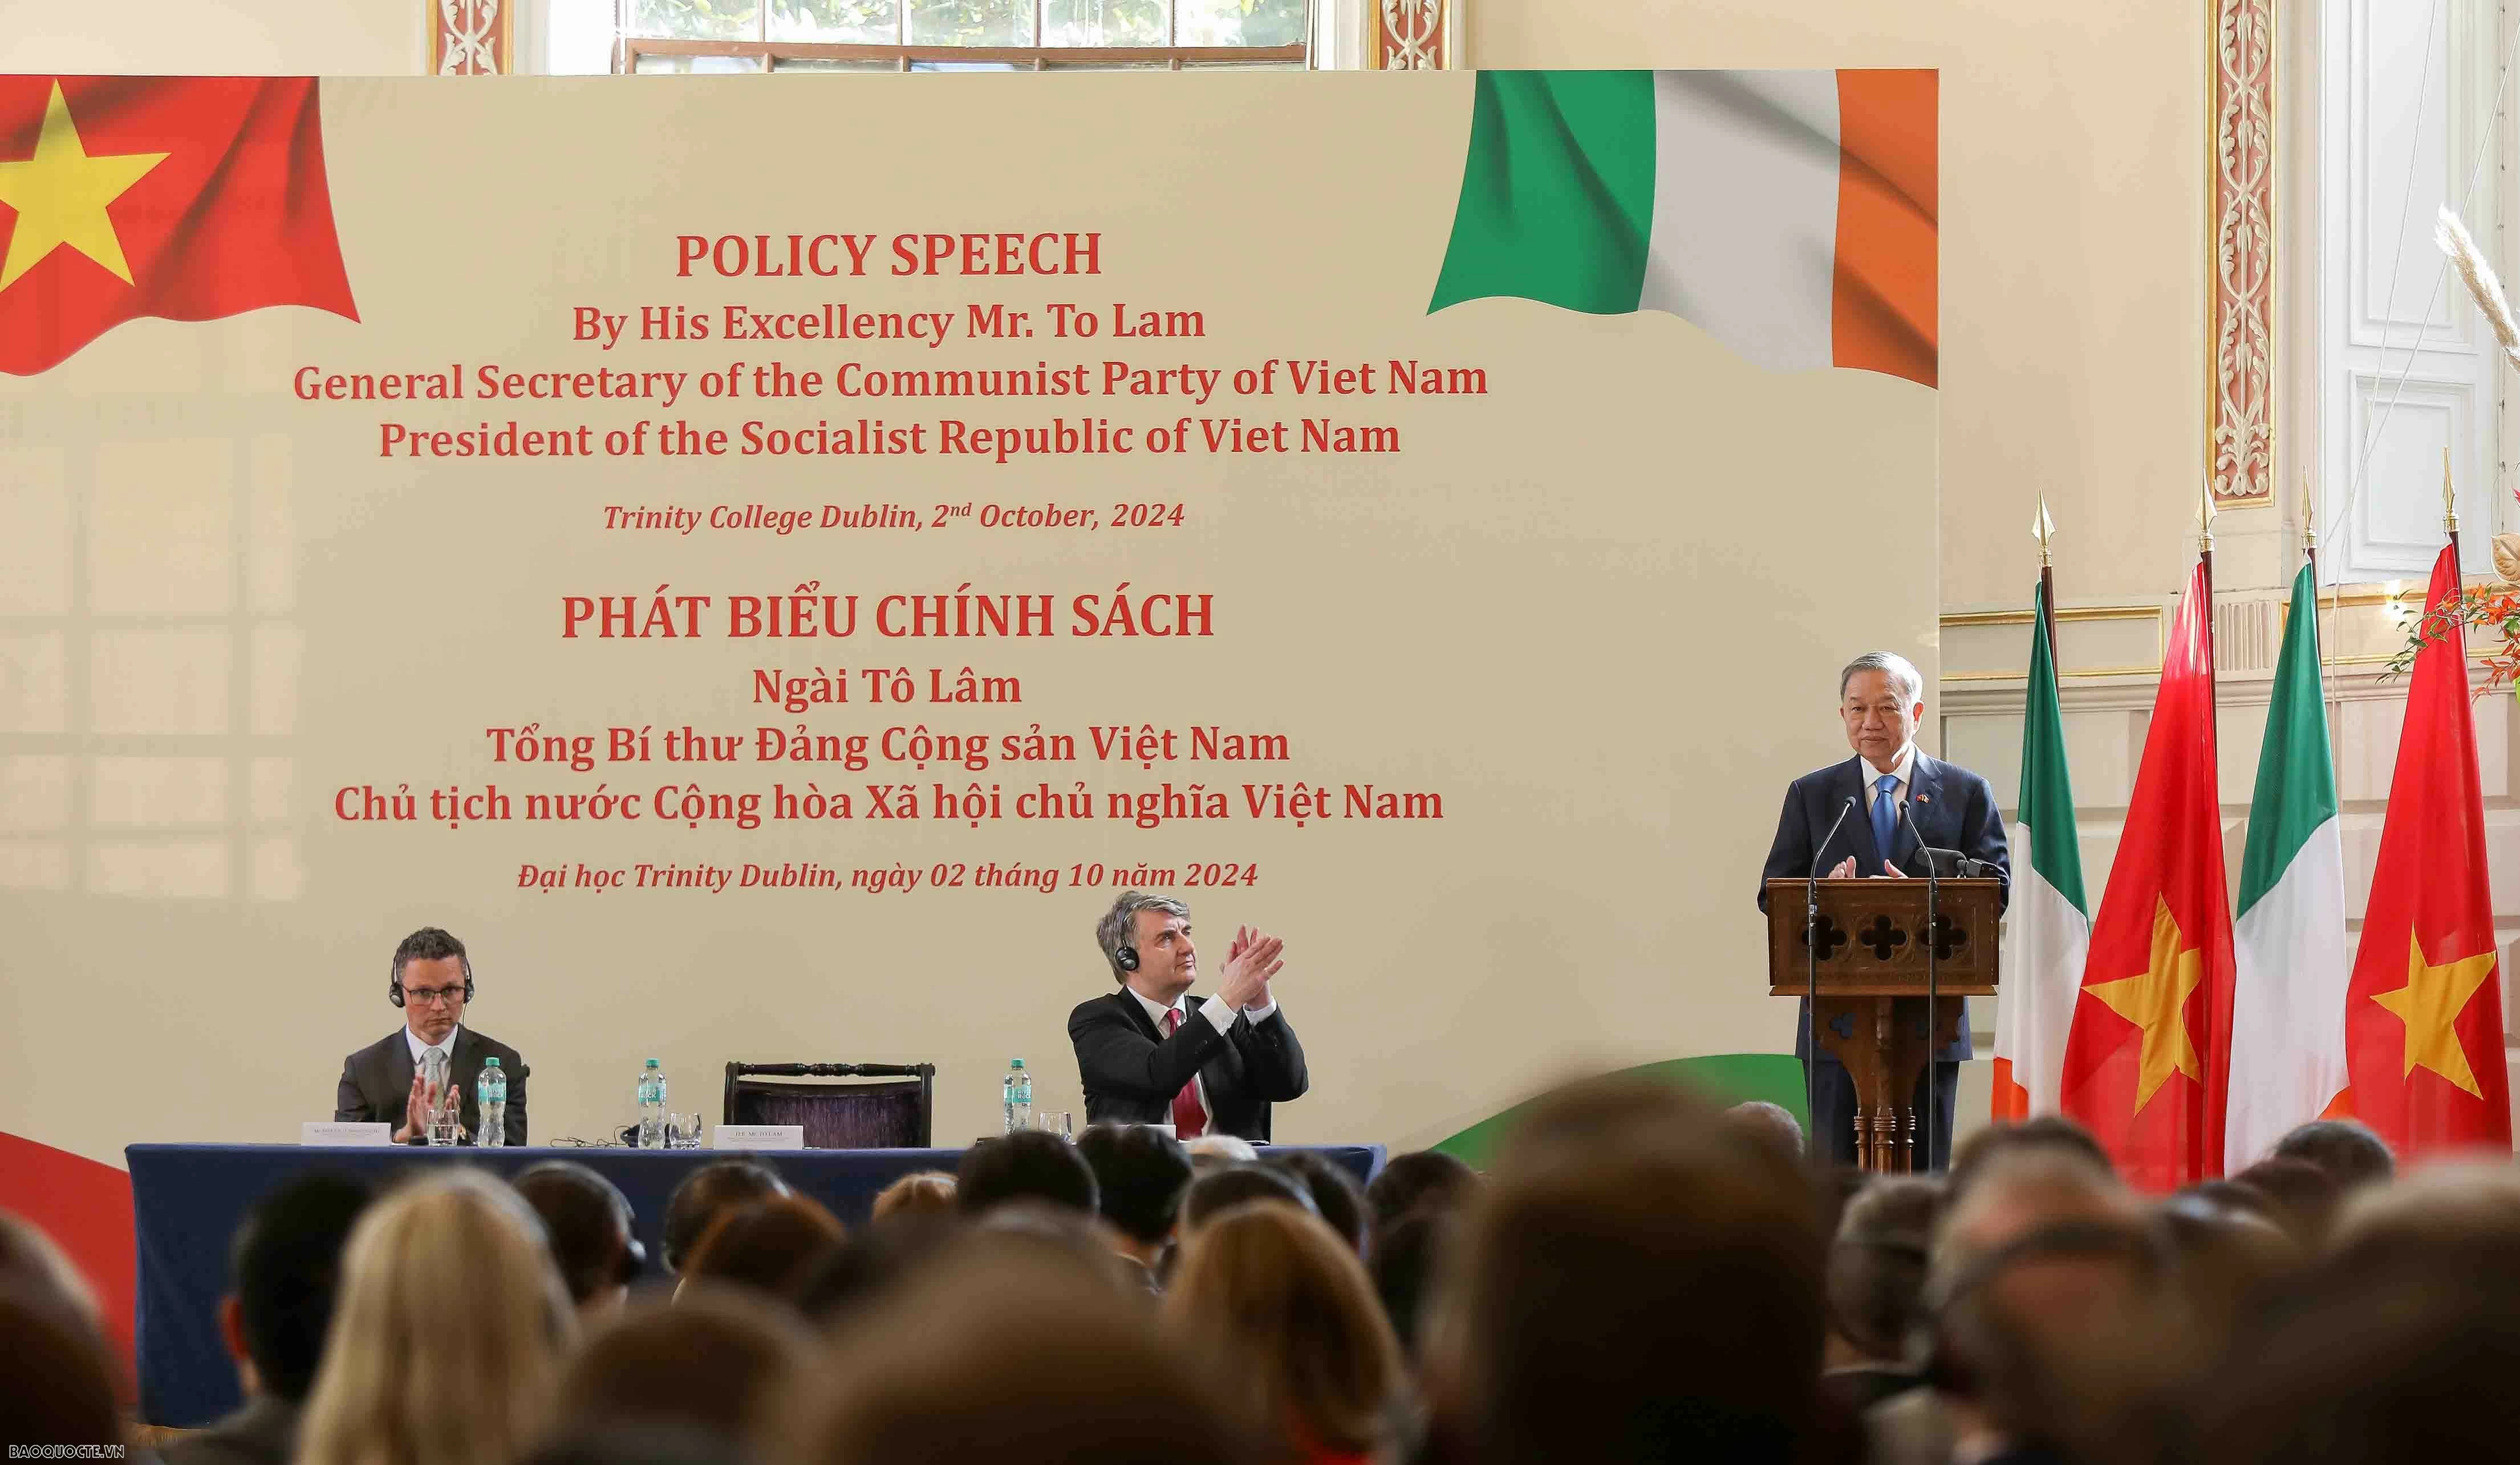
(2044,528)
(2450,514)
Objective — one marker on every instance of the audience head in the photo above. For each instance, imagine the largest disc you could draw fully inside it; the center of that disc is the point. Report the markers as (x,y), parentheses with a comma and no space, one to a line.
(1026,1164)
(1876,1266)
(1642,1283)
(1220,1190)
(1407,1256)
(59,1388)
(1421,1179)
(707,1191)
(2390,1352)
(874,1262)
(1337,1195)
(2049,1304)
(2466,1210)
(2048,1132)
(30,1261)
(284,1273)
(1111,1392)
(447,1331)
(926,1192)
(717,1360)
(2301,1197)
(1217,1151)
(1141,1173)
(769,1245)
(2350,1153)
(591,1229)
(1774,1123)
(1282,1301)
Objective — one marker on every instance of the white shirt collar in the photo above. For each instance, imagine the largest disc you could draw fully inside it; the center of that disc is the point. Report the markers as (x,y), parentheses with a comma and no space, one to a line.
(1901,768)
(420,1050)
(1155,1010)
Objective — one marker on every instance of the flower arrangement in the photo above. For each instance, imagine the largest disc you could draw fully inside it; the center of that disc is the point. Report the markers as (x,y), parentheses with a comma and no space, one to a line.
(2491,612)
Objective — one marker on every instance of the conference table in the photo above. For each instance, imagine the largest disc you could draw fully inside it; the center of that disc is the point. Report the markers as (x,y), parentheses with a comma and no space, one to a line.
(187,1200)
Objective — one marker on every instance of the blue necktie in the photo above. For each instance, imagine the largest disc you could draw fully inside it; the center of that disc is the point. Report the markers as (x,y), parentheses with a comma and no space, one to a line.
(1885,816)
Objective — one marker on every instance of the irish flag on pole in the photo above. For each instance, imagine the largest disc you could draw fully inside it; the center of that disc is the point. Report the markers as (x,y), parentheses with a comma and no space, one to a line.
(2288,945)
(2050,927)
(1790,214)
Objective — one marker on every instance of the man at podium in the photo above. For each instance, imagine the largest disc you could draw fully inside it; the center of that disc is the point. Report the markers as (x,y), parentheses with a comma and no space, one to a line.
(1874,816)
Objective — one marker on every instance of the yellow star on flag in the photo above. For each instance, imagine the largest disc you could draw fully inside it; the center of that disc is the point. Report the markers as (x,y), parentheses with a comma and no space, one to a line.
(2156,1001)
(2429,1004)
(60,195)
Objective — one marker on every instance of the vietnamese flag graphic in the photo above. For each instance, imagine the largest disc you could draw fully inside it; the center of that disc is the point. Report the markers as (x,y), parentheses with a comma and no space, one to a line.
(2423,1013)
(184,198)
(2148,1060)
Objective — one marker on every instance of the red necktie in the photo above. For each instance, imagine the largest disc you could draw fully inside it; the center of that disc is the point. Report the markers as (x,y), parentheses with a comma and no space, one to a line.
(1189,1118)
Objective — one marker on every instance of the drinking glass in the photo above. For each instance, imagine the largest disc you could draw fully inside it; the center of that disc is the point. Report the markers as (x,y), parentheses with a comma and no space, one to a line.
(682,1131)
(444,1127)
(1060,1123)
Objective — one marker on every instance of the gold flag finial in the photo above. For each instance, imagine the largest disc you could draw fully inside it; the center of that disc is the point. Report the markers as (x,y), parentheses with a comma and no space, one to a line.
(2450,497)
(2042,529)
(2308,513)
(2205,516)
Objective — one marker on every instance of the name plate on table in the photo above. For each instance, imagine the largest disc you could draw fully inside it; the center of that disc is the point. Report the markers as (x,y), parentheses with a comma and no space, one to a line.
(760,1136)
(325,1133)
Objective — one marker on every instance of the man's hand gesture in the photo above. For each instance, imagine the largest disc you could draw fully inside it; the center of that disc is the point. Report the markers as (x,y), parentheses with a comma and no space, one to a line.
(1253,958)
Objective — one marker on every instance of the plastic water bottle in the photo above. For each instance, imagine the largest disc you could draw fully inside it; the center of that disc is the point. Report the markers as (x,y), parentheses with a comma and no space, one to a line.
(652,1107)
(1019,1097)
(491,1090)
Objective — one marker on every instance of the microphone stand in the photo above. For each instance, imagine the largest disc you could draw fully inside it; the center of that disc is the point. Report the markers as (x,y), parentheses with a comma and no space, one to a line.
(1811,969)
(1933,934)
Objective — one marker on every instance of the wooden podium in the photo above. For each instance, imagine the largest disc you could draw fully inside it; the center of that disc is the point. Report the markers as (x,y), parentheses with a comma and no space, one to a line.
(1871,1015)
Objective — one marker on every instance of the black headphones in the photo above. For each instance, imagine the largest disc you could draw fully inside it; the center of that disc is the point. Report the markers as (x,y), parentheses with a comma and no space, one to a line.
(1125,958)
(393,983)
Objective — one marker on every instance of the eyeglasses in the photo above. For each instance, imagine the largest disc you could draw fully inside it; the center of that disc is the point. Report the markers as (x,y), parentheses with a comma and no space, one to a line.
(428,996)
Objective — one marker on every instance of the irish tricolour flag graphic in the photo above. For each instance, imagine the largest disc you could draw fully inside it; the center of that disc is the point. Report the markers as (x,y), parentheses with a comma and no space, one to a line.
(2289,999)
(1790,214)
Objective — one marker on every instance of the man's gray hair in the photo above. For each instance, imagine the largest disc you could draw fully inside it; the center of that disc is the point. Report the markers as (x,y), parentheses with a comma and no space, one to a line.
(1118,926)
(1903,675)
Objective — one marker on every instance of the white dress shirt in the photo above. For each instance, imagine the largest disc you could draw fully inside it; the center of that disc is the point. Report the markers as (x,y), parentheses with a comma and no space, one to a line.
(1899,768)
(445,1048)
(1215,1010)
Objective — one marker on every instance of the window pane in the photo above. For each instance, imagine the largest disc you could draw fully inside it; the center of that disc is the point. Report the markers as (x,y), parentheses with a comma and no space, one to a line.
(694,66)
(863,23)
(819,63)
(966,65)
(1106,65)
(1104,23)
(1243,66)
(698,19)
(1240,22)
(971,23)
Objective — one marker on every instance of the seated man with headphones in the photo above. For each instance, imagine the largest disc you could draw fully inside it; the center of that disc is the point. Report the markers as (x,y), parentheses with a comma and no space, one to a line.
(1152,1053)
(398,1079)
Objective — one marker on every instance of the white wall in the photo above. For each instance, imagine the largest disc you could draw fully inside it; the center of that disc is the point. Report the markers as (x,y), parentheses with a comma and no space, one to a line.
(214,38)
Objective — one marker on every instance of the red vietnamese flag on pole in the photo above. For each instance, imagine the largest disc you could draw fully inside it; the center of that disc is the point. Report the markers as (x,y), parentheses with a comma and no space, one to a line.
(186,198)
(2423,1014)
(2148,1058)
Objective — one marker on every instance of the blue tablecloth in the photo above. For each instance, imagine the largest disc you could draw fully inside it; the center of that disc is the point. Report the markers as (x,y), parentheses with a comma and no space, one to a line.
(187,1199)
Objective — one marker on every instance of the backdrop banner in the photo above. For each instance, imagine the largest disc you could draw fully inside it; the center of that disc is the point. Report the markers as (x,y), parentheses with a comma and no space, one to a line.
(765,562)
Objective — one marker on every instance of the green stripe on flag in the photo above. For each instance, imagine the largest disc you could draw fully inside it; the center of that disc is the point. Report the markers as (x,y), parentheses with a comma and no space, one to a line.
(1557,192)
(2296,788)
(2046,791)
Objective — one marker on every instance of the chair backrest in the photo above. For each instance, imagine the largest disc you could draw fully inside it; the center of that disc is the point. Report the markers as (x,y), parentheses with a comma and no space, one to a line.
(899,1114)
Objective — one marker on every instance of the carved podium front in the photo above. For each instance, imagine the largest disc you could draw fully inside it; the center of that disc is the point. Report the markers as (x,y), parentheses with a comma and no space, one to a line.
(1871,974)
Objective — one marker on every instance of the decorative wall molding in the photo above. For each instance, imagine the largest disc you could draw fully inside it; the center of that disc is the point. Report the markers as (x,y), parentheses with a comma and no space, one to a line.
(2242,208)
(1412,35)
(469,37)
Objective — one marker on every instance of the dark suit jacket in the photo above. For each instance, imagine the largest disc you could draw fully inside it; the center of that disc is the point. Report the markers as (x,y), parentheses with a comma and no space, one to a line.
(264,1431)
(1131,1070)
(1953,808)
(375,1081)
